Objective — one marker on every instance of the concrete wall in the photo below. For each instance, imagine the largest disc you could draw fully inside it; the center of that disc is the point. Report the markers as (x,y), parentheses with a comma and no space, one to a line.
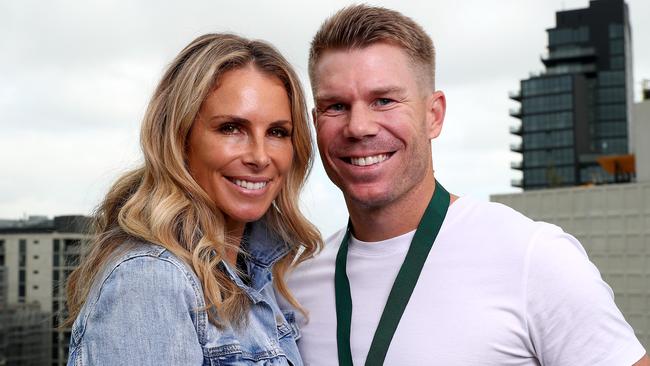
(641,132)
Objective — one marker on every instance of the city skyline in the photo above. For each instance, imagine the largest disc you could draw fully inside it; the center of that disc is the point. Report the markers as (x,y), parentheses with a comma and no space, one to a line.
(76,79)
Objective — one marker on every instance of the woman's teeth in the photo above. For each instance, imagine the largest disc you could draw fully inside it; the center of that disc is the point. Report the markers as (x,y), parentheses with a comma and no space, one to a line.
(368,160)
(249,185)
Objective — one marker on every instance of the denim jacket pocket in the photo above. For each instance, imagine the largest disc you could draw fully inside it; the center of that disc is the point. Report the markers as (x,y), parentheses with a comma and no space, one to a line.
(235,355)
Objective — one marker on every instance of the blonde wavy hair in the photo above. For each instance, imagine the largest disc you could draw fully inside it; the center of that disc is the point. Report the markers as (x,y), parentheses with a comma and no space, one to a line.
(160,202)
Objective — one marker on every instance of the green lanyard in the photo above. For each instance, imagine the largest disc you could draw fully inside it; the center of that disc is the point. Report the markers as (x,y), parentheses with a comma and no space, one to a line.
(401,291)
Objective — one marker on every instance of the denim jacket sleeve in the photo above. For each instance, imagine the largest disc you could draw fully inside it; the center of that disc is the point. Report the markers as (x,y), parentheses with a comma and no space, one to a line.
(144,313)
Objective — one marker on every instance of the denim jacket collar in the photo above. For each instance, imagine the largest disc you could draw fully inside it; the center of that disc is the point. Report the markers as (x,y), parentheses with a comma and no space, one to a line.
(263,248)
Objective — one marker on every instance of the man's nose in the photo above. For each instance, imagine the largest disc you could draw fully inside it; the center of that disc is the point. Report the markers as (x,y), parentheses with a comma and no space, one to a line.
(361,123)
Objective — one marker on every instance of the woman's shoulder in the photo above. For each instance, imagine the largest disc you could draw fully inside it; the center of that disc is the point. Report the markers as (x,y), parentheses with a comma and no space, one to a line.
(136,258)
(143,272)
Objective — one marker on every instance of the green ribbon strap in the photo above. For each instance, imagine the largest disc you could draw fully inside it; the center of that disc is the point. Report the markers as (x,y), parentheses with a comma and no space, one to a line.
(400,293)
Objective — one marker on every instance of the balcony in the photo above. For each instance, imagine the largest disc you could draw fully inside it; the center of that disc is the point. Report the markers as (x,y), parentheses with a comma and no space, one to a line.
(516,130)
(516,147)
(515,95)
(515,112)
(517,182)
(517,165)
(568,54)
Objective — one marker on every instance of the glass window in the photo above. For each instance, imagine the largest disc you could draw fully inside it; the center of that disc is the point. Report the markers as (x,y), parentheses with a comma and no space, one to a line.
(57,245)
(560,36)
(607,78)
(548,103)
(616,47)
(611,111)
(617,62)
(611,95)
(616,30)
(546,85)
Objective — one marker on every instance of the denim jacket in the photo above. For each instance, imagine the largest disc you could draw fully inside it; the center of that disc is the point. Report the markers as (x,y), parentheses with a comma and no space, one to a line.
(145,309)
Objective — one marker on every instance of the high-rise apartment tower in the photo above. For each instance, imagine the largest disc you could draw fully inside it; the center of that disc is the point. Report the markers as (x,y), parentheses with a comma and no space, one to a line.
(578,109)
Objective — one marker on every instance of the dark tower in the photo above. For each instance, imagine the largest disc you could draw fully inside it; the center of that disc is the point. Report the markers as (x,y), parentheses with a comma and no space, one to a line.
(578,109)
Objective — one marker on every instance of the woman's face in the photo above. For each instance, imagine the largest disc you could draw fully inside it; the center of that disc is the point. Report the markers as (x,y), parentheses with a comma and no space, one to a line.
(240,149)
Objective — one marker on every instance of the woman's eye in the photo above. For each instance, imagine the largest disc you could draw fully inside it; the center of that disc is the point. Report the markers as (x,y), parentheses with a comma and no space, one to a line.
(228,129)
(279,132)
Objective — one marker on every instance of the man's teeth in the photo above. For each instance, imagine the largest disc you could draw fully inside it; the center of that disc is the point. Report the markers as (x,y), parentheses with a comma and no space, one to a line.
(368,160)
(249,185)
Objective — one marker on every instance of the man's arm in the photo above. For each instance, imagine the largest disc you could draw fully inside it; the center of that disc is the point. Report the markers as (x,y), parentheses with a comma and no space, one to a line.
(644,361)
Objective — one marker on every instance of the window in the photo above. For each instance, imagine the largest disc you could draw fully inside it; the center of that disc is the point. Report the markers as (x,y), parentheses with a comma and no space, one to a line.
(611,111)
(548,139)
(617,62)
(611,95)
(548,103)
(36,257)
(607,78)
(35,287)
(560,36)
(22,252)
(616,47)
(549,121)
(35,271)
(616,30)
(546,85)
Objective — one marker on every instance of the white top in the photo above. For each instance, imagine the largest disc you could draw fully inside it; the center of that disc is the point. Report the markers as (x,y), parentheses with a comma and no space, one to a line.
(496,289)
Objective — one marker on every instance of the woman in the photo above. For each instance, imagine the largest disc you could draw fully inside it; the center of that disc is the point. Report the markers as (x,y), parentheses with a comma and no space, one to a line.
(187,245)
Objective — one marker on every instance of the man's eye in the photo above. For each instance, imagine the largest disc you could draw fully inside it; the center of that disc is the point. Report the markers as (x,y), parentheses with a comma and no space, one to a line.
(382,102)
(228,129)
(337,107)
(279,132)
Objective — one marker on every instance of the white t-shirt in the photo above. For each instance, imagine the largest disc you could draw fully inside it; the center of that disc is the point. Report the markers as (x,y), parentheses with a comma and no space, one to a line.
(497,289)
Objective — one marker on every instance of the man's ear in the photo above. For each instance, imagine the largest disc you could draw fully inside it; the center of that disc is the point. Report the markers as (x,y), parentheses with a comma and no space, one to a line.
(436,107)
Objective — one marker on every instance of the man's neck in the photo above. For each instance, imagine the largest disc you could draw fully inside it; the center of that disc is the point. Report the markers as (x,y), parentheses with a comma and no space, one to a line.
(399,217)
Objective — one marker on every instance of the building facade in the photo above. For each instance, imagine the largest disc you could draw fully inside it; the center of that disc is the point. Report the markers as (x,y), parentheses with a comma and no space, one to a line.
(578,108)
(38,256)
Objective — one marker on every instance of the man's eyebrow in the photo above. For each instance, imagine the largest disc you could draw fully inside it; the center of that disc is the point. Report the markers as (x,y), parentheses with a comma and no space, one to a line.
(327,97)
(320,98)
(387,90)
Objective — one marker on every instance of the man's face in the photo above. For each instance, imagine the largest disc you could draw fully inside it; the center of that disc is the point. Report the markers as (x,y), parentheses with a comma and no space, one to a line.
(374,122)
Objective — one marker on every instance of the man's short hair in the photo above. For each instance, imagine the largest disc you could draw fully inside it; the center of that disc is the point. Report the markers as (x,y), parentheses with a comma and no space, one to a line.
(359,26)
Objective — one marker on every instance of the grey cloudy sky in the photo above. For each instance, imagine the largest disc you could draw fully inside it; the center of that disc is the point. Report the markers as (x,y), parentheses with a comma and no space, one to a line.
(75,78)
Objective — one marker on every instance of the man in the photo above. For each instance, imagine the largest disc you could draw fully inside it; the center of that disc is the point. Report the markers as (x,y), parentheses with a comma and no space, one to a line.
(421,277)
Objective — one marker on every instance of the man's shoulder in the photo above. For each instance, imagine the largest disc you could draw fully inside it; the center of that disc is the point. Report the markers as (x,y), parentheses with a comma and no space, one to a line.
(493,215)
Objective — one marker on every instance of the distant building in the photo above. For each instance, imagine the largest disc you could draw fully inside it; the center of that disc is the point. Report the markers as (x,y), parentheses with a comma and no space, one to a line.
(578,109)
(39,254)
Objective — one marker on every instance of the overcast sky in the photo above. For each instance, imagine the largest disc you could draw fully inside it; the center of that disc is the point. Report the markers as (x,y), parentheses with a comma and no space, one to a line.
(75,78)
